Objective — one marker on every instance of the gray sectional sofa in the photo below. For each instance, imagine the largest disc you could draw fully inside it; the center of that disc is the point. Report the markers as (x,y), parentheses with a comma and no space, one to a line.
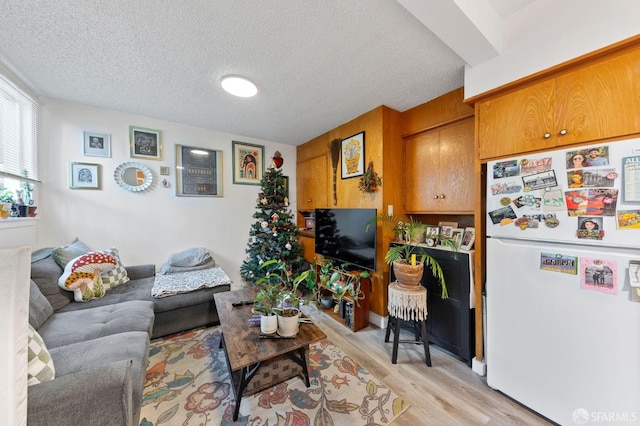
(100,348)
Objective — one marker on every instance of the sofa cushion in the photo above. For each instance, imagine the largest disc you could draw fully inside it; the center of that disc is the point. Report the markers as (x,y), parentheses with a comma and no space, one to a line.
(39,307)
(118,275)
(91,354)
(40,364)
(64,328)
(82,275)
(45,273)
(190,257)
(63,254)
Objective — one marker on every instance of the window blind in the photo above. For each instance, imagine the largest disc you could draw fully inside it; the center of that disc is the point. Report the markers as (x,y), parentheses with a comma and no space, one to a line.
(19,124)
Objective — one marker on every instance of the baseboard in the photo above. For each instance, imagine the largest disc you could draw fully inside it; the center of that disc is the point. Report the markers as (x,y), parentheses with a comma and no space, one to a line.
(377,320)
(479,367)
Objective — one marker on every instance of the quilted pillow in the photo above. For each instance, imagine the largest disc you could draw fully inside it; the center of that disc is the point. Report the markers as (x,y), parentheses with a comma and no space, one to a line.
(118,275)
(63,254)
(40,365)
(82,275)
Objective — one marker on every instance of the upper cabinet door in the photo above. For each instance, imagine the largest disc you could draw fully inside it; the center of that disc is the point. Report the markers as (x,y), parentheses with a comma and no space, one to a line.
(595,101)
(439,167)
(311,183)
(517,122)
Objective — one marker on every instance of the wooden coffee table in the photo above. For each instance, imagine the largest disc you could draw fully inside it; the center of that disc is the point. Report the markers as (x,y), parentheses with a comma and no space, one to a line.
(246,351)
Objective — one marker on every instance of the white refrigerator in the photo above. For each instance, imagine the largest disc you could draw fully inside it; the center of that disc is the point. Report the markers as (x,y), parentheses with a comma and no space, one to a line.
(562,291)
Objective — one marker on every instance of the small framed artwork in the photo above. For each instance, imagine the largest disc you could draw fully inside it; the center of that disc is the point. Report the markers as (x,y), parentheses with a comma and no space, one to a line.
(165,171)
(285,189)
(97,144)
(248,163)
(84,176)
(451,224)
(198,172)
(468,238)
(456,236)
(145,143)
(431,235)
(353,156)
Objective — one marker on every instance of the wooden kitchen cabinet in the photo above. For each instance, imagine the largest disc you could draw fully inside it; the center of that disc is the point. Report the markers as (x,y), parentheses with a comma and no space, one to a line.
(312,183)
(585,103)
(439,170)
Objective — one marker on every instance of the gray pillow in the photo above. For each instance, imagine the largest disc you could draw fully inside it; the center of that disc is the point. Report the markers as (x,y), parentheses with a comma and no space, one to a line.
(39,307)
(65,254)
(169,269)
(190,257)
(45,273)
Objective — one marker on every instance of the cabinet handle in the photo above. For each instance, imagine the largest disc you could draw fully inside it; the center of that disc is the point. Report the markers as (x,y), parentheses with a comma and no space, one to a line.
(547,135)
(563,132)
(308,200)
(435,197)
(442,197)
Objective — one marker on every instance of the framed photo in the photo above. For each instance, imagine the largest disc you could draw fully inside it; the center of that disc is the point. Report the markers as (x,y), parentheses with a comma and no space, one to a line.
(286,186)
(456,235)
(145,143)
(353,156)
(431,235)
(468,237)
(84,176)
(451,224)
(248,163)
(198,172)
(97,144)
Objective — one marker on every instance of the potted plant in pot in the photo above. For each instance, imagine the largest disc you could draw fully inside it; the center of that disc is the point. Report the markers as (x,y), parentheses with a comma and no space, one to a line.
(408,266)
(6,202)
(265,303)
(340,284)
(288,297)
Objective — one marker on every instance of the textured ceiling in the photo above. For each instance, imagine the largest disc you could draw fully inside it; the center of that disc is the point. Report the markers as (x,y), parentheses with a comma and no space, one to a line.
(317,64)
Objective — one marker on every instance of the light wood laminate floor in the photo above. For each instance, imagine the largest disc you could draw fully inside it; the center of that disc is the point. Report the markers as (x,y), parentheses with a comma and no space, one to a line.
(448,393)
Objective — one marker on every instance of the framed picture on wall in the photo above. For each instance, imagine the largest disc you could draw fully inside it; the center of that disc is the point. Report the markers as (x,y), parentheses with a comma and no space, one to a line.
(145,143)
(248,163)
(84,176)
(198,172)
(352,154)
(97,144)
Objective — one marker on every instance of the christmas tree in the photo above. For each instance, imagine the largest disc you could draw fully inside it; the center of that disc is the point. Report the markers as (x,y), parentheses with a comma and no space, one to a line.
(273,235)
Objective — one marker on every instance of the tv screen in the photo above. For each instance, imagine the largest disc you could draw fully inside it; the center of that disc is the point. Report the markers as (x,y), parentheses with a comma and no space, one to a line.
(341,235)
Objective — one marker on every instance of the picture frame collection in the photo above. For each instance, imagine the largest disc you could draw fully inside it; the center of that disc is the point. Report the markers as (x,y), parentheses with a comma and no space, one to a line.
(463,238)
(198,171)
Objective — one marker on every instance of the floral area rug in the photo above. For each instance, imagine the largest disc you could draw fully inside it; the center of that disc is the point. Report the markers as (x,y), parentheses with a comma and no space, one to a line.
(188,383)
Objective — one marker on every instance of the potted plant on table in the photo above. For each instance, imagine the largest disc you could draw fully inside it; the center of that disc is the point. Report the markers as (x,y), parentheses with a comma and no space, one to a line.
(408,266)
(285,288)
(265,303)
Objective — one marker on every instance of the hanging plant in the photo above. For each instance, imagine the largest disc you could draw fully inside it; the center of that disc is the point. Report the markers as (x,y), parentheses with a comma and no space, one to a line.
(370,180)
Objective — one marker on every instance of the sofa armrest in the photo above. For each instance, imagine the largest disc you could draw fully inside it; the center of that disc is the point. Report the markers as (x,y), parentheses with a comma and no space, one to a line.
(101,396)
(141,271)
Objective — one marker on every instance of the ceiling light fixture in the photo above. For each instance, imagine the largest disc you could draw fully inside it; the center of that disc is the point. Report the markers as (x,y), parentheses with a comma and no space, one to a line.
(238,86)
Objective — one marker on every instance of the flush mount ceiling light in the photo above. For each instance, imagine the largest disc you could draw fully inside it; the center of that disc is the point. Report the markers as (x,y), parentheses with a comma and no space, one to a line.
(238,86)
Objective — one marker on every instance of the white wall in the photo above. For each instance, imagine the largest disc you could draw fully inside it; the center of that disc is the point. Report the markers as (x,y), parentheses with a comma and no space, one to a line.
(146,226)
(550,32)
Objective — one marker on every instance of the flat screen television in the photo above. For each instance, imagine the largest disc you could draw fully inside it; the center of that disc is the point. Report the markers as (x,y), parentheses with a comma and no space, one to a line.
(341,235)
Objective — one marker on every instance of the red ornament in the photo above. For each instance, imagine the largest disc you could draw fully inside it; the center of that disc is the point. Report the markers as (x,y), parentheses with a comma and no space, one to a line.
(277,159)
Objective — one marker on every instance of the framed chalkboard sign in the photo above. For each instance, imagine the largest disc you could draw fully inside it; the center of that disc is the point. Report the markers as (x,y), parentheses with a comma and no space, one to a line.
(198,172)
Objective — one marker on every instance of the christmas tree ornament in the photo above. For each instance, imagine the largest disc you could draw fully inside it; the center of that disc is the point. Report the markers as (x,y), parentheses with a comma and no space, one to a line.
(275,217)
(288,246)
(277,160)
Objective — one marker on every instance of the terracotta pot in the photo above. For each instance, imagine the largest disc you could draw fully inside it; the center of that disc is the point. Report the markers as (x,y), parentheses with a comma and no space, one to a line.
(408,276)
(32,211)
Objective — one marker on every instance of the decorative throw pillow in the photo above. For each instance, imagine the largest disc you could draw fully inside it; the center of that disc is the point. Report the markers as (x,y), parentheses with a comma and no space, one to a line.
(82,275)
(118,275)
(190,257)
(40,365)
(63,254)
